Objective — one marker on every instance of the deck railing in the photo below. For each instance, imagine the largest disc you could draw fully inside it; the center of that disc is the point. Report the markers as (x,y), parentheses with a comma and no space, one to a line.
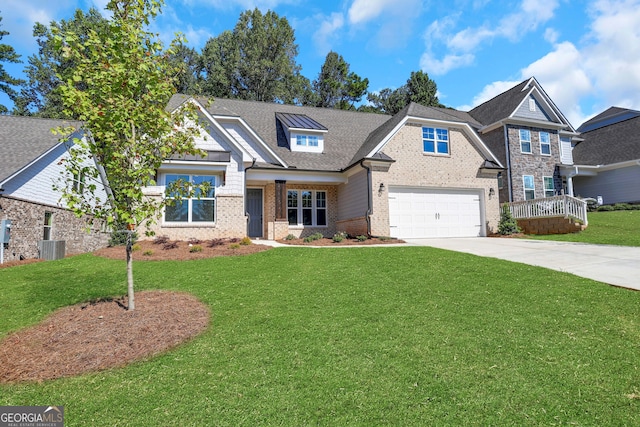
(557,206)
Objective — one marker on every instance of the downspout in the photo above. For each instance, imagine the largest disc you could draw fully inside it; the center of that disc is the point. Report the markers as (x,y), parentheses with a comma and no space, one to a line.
(508,156)
(369,201)
(244,199)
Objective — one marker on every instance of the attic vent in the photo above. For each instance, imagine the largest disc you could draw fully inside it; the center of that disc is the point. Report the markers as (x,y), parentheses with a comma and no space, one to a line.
(532,104)
(51,249)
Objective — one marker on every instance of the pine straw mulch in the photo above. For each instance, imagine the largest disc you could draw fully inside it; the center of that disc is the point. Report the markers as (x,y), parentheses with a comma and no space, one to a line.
(100,335)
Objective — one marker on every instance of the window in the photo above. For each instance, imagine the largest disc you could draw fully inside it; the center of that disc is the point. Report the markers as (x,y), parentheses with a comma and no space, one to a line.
(48,222)
(549,189)
(525,140)
(307,208)
(545,143)
(500,181)
(529,187)
(435,140)
(193,209)
(78,182)
(307,140)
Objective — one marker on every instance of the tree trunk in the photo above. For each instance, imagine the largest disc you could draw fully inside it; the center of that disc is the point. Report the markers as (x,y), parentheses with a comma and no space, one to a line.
(132,304)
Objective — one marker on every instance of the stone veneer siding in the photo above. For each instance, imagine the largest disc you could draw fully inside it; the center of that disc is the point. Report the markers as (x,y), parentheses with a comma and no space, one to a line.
(534,164)
(412,167)
(27,229)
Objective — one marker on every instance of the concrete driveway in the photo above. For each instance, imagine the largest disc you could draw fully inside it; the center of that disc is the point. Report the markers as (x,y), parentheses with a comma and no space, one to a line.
(615,265)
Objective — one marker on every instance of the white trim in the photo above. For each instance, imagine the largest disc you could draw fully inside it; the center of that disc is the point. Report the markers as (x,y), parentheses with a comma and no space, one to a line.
(525,189)
(294,176)
(591,170)
(449,124)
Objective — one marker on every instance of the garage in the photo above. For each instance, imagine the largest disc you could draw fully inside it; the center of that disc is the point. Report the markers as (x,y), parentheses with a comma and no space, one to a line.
(416,212)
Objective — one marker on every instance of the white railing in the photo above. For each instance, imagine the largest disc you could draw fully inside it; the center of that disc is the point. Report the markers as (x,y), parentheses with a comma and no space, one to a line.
(557,206)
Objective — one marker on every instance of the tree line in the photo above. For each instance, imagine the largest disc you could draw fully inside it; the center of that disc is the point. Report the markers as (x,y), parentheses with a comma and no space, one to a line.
(256,60)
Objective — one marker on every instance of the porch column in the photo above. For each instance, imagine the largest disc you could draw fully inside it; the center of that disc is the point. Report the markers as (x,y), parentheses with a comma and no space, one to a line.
(281,200)
(570,184)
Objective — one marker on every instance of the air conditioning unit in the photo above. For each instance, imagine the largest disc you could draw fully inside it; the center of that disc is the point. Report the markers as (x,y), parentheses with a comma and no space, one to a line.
(51,249)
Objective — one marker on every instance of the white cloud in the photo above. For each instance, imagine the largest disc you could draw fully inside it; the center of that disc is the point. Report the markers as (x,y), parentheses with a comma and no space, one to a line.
(327,32)
(489,91)
(362,11)
(612,56)
(460,45)
(263,5)
(438,67)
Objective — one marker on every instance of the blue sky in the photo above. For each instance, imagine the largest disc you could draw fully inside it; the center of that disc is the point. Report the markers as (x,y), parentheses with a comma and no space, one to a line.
(586,54)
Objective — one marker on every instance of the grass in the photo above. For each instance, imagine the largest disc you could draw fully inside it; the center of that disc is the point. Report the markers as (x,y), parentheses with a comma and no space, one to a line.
(367,336)
(607,228)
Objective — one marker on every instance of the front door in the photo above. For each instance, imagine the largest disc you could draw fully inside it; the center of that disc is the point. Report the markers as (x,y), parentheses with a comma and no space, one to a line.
(254,209)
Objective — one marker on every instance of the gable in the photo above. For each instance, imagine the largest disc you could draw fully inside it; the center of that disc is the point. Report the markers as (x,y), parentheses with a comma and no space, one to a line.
(530,108)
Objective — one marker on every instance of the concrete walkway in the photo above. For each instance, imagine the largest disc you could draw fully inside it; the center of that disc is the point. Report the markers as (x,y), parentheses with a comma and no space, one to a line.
(615,265)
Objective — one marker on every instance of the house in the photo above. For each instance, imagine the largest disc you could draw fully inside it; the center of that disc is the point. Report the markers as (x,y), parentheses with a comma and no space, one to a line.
(607,161)
(30,163)
(533,140)
(279,170)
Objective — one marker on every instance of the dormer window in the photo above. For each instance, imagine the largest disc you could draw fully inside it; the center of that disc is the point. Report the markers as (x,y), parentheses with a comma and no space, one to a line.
(303,133)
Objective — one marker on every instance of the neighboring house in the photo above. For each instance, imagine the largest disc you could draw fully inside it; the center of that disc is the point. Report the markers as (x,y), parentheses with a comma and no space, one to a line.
(531,138)
(280,169)
(30,163)
(607,162)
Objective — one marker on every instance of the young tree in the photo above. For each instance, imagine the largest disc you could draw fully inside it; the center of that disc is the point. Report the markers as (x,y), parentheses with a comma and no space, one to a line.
(48,68)
(119,86)
(7,54)
(419,88)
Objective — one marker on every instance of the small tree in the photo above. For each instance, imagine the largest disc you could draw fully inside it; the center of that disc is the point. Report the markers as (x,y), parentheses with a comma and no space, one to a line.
(119,88)
(508,224)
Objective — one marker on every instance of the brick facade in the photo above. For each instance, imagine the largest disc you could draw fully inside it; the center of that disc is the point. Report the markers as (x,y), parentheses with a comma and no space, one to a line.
(412,167)
(27,229)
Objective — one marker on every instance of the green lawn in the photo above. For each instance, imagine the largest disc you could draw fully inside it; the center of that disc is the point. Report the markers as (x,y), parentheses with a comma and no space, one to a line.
(608,228)
(362,336)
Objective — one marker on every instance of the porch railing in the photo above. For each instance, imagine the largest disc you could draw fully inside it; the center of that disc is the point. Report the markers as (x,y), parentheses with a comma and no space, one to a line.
(556,206)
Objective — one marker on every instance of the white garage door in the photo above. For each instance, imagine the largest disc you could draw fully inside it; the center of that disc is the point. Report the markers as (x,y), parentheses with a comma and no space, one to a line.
(421,212)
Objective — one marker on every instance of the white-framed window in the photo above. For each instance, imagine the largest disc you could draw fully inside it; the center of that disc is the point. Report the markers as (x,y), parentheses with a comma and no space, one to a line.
(435,140)
(48,225)
(200,208)
(307,208)
(529,187)
(545,143)
(549,188)
(500,181)
(307,140)
(525,141)
(78,182)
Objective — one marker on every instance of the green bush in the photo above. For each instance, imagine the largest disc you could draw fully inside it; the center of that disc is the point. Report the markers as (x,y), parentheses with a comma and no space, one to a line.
(605,208)
(234,246)
(337,238)
(148,252)
(290,237)
(313,237)
(508,224)
(361,238)
(245,241)
(195,248)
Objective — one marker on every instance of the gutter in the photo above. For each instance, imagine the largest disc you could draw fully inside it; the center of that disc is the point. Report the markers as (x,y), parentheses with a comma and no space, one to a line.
(244,198)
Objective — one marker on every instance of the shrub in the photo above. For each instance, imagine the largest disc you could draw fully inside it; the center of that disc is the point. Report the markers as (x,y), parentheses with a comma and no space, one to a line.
(215,242)
(195,248)
(605,208)
(308,239)
(361,238)
(622,206)
(234,246)
(313,237)
(290,237)
(245,241)
(384,238)
(136,247)
(508,224)
(170,245)
(337,238)
(161,240)
(148,252)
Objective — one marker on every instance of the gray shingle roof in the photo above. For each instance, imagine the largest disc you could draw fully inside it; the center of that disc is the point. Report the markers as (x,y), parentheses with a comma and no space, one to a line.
(500,106)
(611,143)
(349,138)
(608,117)
(24,139)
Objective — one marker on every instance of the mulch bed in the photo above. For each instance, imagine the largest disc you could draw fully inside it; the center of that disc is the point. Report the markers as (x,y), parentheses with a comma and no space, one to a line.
(101,335)
(346,242)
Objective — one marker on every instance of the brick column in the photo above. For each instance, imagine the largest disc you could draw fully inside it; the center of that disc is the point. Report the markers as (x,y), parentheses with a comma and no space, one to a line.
(281,200)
